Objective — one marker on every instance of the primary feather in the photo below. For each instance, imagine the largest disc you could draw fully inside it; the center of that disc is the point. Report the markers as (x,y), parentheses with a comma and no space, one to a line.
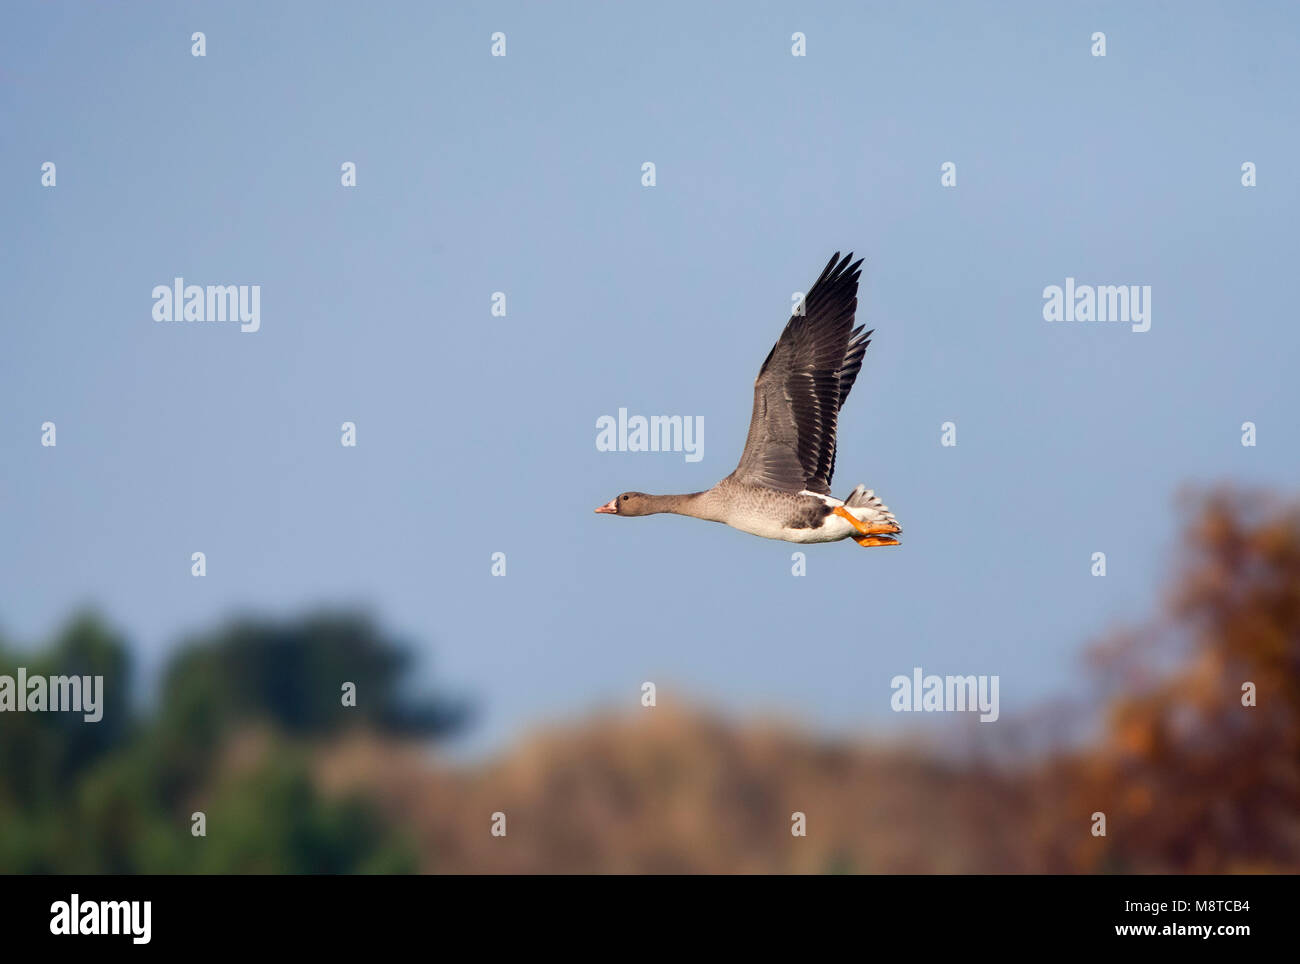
(802,385)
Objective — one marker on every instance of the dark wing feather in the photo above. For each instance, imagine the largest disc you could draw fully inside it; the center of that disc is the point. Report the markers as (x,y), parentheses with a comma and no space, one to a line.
(801,386)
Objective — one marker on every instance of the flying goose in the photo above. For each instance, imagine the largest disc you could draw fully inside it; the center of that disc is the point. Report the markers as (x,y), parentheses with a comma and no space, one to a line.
(782,487)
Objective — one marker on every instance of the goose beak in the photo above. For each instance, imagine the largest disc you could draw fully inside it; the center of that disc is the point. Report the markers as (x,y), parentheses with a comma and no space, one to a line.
(610,507)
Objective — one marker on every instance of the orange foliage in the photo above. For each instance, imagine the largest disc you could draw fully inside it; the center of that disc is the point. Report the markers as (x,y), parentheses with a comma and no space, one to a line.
(1193,779)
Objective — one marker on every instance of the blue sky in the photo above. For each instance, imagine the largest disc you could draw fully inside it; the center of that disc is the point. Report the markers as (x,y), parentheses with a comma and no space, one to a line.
(522,174)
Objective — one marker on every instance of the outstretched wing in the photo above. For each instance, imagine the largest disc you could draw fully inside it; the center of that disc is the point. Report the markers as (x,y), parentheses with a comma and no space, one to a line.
(801,386)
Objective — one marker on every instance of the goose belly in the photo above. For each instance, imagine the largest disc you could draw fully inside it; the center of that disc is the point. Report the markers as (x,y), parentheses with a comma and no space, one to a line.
(830,528)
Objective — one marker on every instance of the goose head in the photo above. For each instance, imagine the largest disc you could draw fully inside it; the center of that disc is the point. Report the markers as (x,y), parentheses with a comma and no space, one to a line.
(629,503)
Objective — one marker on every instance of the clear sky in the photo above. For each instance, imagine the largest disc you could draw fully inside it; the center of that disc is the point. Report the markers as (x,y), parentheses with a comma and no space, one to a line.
(522,174)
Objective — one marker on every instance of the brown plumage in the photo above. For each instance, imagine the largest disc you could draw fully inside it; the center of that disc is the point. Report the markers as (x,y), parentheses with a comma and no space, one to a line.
(802,385)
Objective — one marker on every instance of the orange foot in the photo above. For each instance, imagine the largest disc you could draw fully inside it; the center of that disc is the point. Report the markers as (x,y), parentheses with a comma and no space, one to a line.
(870,541)
(868,530)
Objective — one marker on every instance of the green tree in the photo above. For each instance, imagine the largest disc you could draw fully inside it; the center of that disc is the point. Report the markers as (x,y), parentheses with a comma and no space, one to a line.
(116,796)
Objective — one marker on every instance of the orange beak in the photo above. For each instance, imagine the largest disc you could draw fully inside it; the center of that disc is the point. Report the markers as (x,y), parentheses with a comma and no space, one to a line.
(610,507)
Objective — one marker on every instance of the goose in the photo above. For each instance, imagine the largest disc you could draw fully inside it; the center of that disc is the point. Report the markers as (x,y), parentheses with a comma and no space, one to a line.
(782,487)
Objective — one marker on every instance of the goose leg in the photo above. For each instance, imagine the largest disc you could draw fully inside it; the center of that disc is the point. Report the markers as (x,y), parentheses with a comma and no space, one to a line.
(867,530)
(869,541)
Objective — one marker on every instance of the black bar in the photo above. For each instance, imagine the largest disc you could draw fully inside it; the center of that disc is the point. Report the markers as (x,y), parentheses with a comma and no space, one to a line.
(214,914)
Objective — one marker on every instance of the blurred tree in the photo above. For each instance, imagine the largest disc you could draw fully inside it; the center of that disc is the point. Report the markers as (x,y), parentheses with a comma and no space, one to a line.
(116,796)
(1193,780)
(272,820)
(290,674)
(49,749)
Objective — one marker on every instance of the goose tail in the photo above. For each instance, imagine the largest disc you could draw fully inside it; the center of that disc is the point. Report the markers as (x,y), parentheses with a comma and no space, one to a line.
(869,508)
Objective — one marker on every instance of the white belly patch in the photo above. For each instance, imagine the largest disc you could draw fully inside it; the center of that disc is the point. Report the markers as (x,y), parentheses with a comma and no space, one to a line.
(833,527)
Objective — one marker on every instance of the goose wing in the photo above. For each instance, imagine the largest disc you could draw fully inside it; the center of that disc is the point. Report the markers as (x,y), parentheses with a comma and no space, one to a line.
(801,386)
